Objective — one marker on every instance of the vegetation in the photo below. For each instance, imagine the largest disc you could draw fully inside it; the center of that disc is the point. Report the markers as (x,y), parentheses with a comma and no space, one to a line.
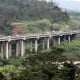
(34,16)
(44,65)
(72,50)
(30,10)
(73,13)
(5,28)
(39,72)
(37,16)
(44,25)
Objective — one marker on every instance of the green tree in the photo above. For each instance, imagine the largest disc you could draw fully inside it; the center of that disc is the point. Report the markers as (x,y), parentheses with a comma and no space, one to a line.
(2,77)
(31,10)
(69,71)
(5,28)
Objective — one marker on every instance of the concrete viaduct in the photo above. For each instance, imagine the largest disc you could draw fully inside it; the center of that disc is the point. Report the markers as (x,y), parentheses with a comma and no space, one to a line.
(56,37)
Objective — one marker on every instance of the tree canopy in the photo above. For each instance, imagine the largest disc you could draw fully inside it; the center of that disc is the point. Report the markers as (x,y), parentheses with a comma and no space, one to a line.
(5,28)
(13,10)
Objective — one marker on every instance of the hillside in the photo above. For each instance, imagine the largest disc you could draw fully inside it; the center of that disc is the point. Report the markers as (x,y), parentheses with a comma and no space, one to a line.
(18,17)
(73,13)
(35,16)
(18,10)
(39,15)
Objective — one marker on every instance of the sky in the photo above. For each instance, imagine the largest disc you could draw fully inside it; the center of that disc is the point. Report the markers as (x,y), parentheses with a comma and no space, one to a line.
(69,4)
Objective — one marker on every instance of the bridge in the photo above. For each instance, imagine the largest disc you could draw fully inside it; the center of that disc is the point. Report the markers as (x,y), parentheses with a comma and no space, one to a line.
(46,38)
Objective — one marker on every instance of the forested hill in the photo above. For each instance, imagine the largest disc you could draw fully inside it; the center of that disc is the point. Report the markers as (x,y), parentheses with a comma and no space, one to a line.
(18,10)
(73,13)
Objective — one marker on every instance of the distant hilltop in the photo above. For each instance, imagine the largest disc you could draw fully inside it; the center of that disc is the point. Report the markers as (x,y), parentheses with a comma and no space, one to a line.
(19,10)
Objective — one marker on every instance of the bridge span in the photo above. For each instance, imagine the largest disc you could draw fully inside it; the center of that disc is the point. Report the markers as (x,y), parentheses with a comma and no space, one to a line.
(46,38)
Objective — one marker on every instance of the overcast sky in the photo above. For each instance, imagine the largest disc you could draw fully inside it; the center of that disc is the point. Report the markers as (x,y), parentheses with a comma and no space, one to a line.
(69,4)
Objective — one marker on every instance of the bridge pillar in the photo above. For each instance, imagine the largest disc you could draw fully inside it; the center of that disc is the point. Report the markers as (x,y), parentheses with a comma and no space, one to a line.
(22,47)
(31,46)
(64,38)
(2,50)
(17,48)
(59,40)
(54,41)
(7,50)
(36,45)
(43,44)
(10,47)
(69,38)
(48,43)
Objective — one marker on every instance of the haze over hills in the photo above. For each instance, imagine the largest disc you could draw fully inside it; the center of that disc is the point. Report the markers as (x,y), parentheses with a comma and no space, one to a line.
(73,5)
(73,13)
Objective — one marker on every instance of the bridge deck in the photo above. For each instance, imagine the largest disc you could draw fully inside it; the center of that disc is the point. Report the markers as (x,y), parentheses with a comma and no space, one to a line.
(38,35)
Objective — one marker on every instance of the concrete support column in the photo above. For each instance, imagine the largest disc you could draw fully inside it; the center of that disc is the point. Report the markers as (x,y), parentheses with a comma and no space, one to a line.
(7,50)
(2,50)
(22,47)
(59,40)
(64,38)
(10,47)
(48,43)
(69,38)
(43,44)
(17,48)
(54,41)
(31,46)
(36,45)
